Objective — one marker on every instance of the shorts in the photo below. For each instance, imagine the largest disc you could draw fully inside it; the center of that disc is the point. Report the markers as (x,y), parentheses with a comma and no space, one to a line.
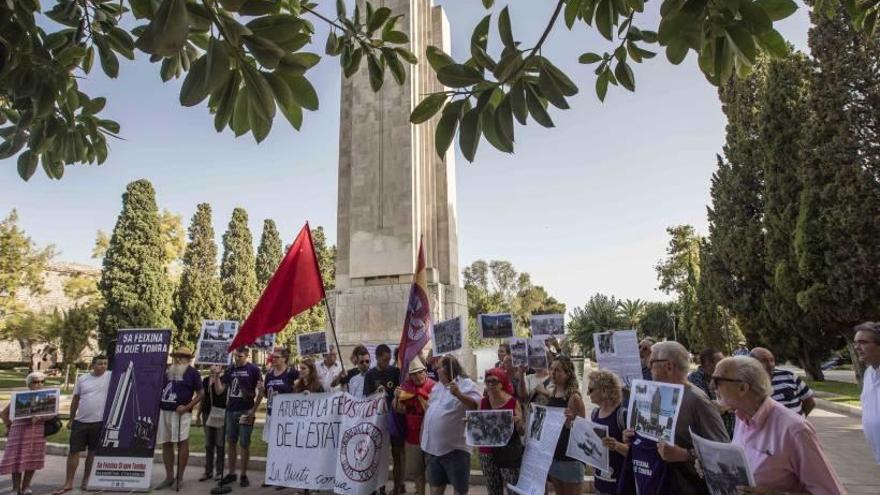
(237,433)
(567,471)
(85,435)
(415,462)
(173,427)
(453,468)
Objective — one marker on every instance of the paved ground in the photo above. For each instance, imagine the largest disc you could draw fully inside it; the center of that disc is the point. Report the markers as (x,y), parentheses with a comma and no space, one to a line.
(846,376)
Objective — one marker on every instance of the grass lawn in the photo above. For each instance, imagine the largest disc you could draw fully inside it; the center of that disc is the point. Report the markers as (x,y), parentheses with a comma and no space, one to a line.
(14,379)
(847,393)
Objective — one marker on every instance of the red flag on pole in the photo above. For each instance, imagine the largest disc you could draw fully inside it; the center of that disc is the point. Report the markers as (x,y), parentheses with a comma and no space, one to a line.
(418,325)
(295,287)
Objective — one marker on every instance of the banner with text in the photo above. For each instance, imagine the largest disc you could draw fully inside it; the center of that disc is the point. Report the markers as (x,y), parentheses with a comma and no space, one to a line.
(542,433)
(329,442)
(124,460)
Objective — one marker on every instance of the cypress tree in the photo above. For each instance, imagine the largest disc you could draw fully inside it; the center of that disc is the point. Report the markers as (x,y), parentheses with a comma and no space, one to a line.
(237,270)
(268,254)
(199,295)
(134,282)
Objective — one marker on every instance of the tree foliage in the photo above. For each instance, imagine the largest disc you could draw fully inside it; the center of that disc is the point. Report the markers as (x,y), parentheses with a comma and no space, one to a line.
(247,58)
(21,266)
(134,280)
(199,294)
(268,254)
(600,313)
(238,275)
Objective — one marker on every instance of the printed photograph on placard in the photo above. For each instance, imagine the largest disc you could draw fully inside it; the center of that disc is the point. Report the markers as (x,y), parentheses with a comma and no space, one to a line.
(547,325)
(725,465)
(653,409)
(310,344)
(605,343)
(519,351)
(489,428)
(219,329)
(212,352)
(448,335)
(31,403)
(537,353)
(585,443)
(536,422)
(495,325)
(265,343)
(617,351)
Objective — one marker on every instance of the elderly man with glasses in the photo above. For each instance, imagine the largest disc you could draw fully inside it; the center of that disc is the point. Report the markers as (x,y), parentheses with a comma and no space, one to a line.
(781,446)
(867,344)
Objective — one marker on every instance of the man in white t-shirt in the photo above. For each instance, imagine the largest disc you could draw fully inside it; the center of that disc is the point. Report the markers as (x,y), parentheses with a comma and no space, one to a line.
(328,369)
(867,344)
(87,418)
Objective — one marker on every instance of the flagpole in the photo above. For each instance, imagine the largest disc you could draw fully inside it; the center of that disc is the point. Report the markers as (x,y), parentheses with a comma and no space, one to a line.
(333,329)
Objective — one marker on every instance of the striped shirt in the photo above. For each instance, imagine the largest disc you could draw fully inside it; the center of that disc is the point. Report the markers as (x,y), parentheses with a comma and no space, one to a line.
(789,390)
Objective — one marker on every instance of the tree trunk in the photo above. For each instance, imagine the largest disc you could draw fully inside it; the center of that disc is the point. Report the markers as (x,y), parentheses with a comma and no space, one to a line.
(811,365)
(858,367)
(27,352)
(66,376)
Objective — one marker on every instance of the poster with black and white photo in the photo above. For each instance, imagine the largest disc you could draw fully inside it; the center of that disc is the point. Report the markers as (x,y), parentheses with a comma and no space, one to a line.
(618,352)
(447,336)
(265,343)
(537,353)
(653,409)
(34,403)
(310,344)
(489,428)
(214,340)
(495,325)
(725,465)
(547,325)
(542,433)
(519,351)
(585,444)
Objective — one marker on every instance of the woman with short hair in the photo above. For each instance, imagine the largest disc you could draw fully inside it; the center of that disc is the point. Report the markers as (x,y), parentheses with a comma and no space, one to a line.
(781,446)
(605,390)
(25,449)
(500,465)
(566,474)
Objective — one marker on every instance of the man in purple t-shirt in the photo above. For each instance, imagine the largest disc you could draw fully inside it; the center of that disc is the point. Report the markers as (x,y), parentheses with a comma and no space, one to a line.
(180,394)
(241,380)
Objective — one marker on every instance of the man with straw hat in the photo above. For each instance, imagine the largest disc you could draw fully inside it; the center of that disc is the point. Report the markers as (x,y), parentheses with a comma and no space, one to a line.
(181,393)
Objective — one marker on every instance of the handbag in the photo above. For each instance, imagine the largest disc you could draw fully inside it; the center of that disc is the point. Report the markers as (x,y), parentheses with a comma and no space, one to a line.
(216,418)
(509,456)
(51,426)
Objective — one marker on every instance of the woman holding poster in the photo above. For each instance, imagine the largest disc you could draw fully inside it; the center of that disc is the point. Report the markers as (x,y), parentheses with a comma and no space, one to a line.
(566,474)
(26,445)
(279,380)
(500,465)
(605,390)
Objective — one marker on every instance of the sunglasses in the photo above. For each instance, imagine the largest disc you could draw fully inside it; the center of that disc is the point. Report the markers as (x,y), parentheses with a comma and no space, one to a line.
(37,382)
(714,380)
(364,362)
(492,381)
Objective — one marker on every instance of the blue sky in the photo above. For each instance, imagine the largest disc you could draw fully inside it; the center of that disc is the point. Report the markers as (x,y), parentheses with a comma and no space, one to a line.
(582,207)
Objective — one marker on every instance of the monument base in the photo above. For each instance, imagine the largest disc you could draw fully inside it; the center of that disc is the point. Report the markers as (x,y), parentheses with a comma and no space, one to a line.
(374,314)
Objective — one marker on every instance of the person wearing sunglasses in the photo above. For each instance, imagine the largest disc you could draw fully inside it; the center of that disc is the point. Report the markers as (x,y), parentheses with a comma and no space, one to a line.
(781,446)
(25,449)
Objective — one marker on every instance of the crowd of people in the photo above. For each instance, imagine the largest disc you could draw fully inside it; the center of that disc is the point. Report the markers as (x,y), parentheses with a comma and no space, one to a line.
(744,399)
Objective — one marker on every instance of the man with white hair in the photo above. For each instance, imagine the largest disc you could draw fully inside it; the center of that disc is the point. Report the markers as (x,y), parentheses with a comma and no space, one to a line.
(328,369)
(867,344)
(182,391)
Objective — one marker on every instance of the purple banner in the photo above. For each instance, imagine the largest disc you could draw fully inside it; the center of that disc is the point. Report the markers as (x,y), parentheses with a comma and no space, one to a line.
(124,460)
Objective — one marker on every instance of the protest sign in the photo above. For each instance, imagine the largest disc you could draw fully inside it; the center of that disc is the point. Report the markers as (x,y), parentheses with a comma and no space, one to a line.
(653,409)
(519,351)
(537,353)
(495,325)
(547,325)
(309,344)
(447,336)
(265,343)
(329,442)
(725,465)
(618,352)
(542,433)
(34,403)
(124,459)
(214,340)
(489,428)
(585,444)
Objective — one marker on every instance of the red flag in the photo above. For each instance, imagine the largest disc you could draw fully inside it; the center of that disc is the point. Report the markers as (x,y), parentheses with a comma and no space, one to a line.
(295,287)
(418,325)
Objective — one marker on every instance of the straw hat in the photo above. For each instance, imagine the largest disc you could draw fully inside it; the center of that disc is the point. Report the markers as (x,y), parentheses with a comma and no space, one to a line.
(416,366)
(183,352)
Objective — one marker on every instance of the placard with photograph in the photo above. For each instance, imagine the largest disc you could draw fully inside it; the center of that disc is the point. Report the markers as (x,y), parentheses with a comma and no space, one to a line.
(34,403)
(618,352)
(537,353)
(585,444)
(725,465)
(310,344)
(489,428)
(547,325)
(214,340)
(448,336)
(265,343)
(495,325)
(653,409)
(519,351)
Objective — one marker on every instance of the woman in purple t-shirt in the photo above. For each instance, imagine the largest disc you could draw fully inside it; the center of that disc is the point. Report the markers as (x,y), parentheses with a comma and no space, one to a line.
(279,380)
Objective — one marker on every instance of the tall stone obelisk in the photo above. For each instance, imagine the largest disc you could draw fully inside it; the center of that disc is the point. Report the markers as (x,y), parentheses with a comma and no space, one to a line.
(394,189)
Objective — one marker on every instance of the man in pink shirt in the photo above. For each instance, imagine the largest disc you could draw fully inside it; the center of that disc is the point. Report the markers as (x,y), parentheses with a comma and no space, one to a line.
(781,446)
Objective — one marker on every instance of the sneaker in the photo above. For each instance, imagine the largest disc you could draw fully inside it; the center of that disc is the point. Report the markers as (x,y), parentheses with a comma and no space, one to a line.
(206,476)
(229,478)
(244,482)
(165,484)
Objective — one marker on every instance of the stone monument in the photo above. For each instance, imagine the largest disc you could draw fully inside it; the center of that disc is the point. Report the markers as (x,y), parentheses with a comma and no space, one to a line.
(393,190)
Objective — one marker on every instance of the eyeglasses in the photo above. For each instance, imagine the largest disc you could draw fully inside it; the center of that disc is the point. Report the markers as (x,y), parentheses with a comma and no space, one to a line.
(714,380)
(37,382)
(653,361)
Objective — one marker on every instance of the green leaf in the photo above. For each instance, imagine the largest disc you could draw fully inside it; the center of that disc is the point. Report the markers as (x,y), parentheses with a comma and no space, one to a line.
(437,58)
(536,108)
(166,33)
(487,4)
(589,58)
(217,66)
(109,125)
(480,36)
(458,76)
(743,44)
(396,37)
(602,85)
(605,18)
(284,97)
(109,61)
(394,65)
(469,135)
(261,102)
(624,75)
(551,91)
(504,119)
(340,8)
(227,102)
(566,85)
(379,17)
(773,43)
(240,119)
(445,132)
(88,60)
(572,9)
(354,62)
(27,164)
(303,92)
(95,105)
(334,46)
(676,51)
(518,102)
(267,53)
(778,9)
(406,55)
(377,72)
(755,17)
(428,107)
(504,29)
(487,122)
(194,90)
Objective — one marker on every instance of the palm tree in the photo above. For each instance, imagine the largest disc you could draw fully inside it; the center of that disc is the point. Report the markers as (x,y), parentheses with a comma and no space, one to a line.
(631,311)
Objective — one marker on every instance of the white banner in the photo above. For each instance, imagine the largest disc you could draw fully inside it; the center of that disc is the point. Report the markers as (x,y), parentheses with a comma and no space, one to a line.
(329,442)
(618,352)
(542,433)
